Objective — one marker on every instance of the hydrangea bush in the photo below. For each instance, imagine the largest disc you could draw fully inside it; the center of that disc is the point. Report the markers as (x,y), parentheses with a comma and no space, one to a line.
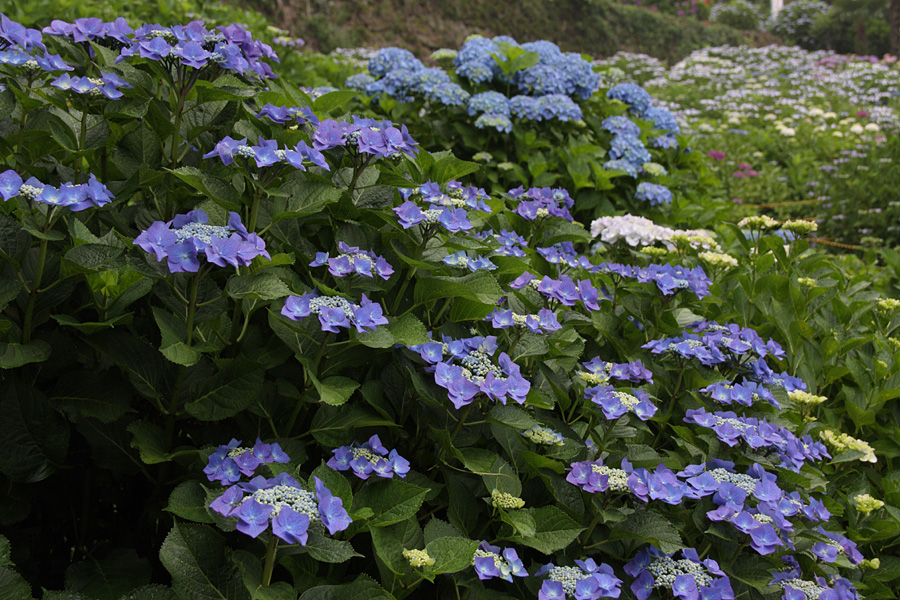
(491,401)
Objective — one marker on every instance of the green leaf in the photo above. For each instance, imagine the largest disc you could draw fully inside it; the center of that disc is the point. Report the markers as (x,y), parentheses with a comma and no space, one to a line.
(364,588)
(35,438)
(448,168)
(263,285)
(15,355)
(495,472)
(554,530)
(390,542)
(5,551)
(437,529)
(227,392)
(649,527)
(188,501)
(512,416)
(103,397)
(479,286)
(327,103)
(154,591)
(333,426)
(218,189)
(200,564)
(407,330)
(91,258)
(335,390)
(300,198)
(327,549)
(335,482)
(392,500)
(14,241)
(450,554)
(521,521)
(172,346)
(150,441)
(118,572)
(13,586)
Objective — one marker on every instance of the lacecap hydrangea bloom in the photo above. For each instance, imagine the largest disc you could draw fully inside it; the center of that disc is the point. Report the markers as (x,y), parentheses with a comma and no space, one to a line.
(181,240)
(490,562)
(536,203)
(229,462)
(379,139)
(266,153)
(543,436)
(73,196)
(687,578)
(585,581)
(369,458)
(448,207)
(108,85)
(544,321)
(335,312)
(796,588)
(285,505)
(352,260)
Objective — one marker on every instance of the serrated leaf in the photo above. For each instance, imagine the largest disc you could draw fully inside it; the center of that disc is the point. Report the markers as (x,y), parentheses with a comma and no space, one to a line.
(299,198)
(554,530)
(110,577)
(150,442)
(35,437)
(327,549)
(172,346)
(188,501)
(450,554)
(198,561)
(15,355)
(364,588)
(479,286)
(227,392)
(263,285)
(13,586)
(335,390)
(649,527)
(213,187)
(392,501)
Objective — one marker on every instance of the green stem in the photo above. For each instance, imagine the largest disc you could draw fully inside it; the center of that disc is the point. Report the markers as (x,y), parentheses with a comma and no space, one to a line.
(462,420)
(269,566)
(32,297)
(192,308)
(399,296)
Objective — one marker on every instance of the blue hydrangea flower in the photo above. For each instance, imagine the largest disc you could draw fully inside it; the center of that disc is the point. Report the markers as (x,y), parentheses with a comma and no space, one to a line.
(746,393)
(688,578)
(389,59)
(615,403)
(107,85)
(182,239)
(662,119)
(536,203)
(599,372)
(75,197)
(461,259)
(229,462)
(586,581)
(636,97)
(490,562)
(621,165)
(630,149)
(493,103)
(621,126)
(353,260)
(796,588)
(369,458)
(545,321)
(499,122)
(653,193)
(261,502)
(366,136)
(335,312)
(287,114)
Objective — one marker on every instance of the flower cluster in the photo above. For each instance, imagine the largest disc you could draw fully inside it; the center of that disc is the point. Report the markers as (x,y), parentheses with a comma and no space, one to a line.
(595,477)
(599,372)
(616,403)
(865,503)
(283,504)
(564,253)
(543,436)
(836,544)
(335,312)
(107,85)
(668,278)
(365,136)
(353,260)
(796,588)
(640,231)
(469,370)
(181,240)
(630,150)
(653,193)
(544,321)
(505,500)
(563,290)
(231,48)
(688,578)
(586,581)
(621,126)
(758,433)
(461,259)
(841,442)
(369,458)
(73,196)
(746,393)
(449,209)
(761,372)
(511,243)
(556,72)
(267,153)
(288,114)
(490,561)
(535,203)
(229,462)
(712,344)
(418,558)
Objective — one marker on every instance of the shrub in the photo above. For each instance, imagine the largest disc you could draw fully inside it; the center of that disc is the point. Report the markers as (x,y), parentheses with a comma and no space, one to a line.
(796,20)
(739,14)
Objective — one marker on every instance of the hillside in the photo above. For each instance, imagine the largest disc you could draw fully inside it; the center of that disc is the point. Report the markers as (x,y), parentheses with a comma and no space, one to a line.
(596,27)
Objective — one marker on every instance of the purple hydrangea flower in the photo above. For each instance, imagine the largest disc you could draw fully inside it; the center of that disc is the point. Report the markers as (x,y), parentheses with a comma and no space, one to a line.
(352,260)
(369,458)
(490,562)
(229,462)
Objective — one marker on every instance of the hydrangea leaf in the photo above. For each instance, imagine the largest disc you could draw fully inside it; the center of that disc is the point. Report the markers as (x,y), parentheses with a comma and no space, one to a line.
(392,500)
(327,549)
(188,501)
(364,588)
(450,554)
(200,564)
(13,586)
(554,530)
(110,577)
(649,527)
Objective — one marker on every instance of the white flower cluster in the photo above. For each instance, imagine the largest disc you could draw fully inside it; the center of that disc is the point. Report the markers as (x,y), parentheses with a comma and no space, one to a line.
(640,231)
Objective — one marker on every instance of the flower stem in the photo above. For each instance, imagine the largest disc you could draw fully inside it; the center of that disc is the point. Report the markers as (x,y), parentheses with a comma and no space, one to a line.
(32,297)
(269,566)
